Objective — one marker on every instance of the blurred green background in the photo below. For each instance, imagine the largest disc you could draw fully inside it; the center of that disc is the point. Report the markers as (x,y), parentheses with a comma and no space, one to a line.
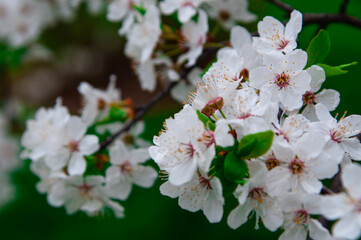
(149,215)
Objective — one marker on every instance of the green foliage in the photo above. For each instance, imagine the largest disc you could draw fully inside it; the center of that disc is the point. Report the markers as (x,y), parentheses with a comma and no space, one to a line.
(319,48)
(235,168)
(228,186)
(255,145)
(10,57)
(140,9)
(335,71)
(206,121)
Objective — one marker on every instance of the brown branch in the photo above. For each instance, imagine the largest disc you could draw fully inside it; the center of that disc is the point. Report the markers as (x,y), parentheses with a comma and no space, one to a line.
(343,6)
(140,113)
(282,5)
(323,19)
(208,53)
(327,18)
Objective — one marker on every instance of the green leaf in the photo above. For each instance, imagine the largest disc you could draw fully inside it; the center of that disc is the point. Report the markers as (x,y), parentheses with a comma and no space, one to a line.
(255,145)
(235,168)
(140,9)
(117,114)
(319,48)
(206,121)
(335,71)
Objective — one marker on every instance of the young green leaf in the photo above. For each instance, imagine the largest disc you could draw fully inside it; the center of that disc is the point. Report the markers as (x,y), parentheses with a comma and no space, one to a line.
(235,168)
(335,71)
(319,48)
(206,121)
(255,145)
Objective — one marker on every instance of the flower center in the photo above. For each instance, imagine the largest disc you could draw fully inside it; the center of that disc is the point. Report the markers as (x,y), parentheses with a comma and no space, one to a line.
(308,98)
(301,217)
(101,104)
(189,151)
(336,136)
(282,80)
(207,138)
(126,167)
(282,44)
(205,182)
(224,14)
(73,146)
(272,162)
(128,139)
(257,194)
(296,166)
(84,189)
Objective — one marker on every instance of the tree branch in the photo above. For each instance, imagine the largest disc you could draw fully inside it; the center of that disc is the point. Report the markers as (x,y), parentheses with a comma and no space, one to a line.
(323,19)
(140,113)
(282,5)
(343,6)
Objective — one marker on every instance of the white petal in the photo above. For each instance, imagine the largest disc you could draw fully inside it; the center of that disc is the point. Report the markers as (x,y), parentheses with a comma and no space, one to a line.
(329,97)
(77,164)
(318,76)
(294,26)
(89,144)
(347,228)
(239,215)
(351,179)
(144,176)
(317,231)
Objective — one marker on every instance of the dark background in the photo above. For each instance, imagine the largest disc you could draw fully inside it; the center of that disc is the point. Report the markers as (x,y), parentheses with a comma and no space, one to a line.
(149,214)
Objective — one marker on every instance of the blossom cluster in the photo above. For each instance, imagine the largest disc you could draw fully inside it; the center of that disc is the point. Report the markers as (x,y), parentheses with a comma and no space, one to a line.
(151,43)
(9,162)
(22,21)
(259,128)
(74,170)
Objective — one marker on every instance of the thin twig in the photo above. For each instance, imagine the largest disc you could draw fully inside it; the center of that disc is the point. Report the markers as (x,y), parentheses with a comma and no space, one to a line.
(343,6)
(323,19)
(282,5)
(140,113)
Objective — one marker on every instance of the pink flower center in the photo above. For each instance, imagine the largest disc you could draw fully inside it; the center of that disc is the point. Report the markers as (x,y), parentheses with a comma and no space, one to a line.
(257,194)
(336,136)
(205,182)
(84,189)
(224,14)
(73,146)
(126,167)
(282,80)
(296,166)
(272,162)
(207,138)
(309,98)
(282,44)
(301,217)
(189,151)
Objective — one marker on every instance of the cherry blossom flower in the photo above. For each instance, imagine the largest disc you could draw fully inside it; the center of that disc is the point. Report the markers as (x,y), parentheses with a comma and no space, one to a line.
(254,196)
(298,224)
(200,193)
(143,36)
(186,8)
(328,97)
(284,76)
(341,135)
(98,102)
(195,35)
(82,193)
(126,170)
(229,12)
(274,37)
(345,206)
(183,147)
